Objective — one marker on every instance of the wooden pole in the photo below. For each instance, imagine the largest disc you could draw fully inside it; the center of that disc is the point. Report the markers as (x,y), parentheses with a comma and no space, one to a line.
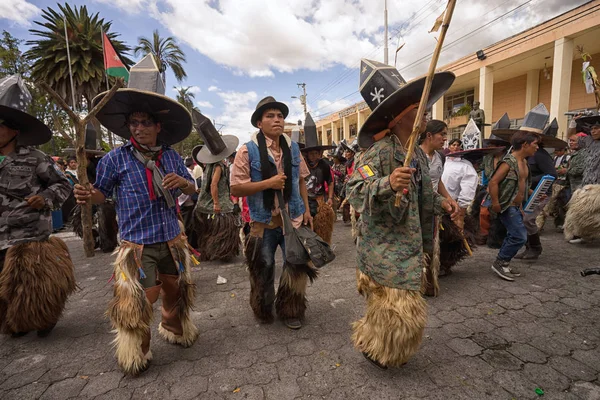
(80,124)
(412,141)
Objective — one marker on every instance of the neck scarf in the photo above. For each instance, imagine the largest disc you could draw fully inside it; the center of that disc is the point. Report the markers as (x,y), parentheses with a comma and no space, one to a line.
(151,157)
(268,170)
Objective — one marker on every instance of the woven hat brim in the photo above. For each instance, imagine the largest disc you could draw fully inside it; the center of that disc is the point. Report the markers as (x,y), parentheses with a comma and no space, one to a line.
(175,120)
(398,101)
(257,114)
(496,142)
(547,140)
(204,156)
(32,131)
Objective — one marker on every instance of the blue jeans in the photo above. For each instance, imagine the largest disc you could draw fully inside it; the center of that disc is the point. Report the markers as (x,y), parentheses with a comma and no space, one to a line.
(271,239)
(516,233)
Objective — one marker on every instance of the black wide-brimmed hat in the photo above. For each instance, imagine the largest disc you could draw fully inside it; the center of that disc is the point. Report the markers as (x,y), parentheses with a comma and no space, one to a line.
(90,143)
(493,140)
(387,94)
(584,124)
(216,147)
(549,138)
(475,155)
(14,100)
(311,139)
(535,121)
(353,147)
(266,104)
(145,93)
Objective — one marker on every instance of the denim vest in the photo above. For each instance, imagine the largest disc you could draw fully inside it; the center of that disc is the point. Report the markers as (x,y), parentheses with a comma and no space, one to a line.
(255,202)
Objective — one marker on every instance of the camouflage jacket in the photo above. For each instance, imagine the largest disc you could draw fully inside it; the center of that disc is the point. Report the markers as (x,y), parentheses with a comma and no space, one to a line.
(575,170)
(508,189)
(393,240)
(28,172)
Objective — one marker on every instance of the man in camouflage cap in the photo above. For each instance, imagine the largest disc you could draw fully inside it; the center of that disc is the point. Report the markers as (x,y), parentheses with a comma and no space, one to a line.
(394,243)
(36,271)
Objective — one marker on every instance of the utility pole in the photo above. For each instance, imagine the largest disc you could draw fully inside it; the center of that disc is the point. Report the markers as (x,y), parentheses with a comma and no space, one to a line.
(385,39)
(302,96)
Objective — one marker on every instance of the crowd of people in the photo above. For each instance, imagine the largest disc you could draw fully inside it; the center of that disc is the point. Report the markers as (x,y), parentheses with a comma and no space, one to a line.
(411,222)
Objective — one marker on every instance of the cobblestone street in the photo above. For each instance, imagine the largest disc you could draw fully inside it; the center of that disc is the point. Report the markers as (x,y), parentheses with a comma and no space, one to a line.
(486,338)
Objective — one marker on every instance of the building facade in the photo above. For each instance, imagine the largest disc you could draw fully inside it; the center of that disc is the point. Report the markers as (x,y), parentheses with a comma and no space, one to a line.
(539,65)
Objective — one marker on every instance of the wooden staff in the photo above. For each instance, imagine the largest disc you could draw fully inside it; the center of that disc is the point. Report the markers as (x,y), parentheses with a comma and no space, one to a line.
(412,141)
(80,124)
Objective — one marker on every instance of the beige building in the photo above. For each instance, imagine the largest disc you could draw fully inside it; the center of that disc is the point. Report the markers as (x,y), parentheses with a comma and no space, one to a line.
(539,65)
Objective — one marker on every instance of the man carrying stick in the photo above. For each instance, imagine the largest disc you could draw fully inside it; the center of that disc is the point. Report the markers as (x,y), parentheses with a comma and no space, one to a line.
(395,242)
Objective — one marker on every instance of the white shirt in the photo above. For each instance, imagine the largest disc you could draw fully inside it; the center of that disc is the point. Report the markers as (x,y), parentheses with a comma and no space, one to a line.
(436,167)
(73,171)
(197,172)
(460,179)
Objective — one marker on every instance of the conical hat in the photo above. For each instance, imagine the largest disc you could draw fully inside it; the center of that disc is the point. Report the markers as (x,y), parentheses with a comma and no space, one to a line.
(216,147)
(311,139)
(145,93)
(535,121)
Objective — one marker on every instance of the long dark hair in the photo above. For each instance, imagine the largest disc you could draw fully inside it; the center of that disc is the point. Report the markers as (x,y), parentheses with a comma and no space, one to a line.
(434,126)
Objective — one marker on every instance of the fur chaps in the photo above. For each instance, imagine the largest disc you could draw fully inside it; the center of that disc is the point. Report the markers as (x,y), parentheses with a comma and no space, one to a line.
(107,227)
(218,237)
(291,295)
(452,246)
(429,278)
(261,305)
(355,220)
(560,207)
(35,283)
(392,329)
(497,232)
(323,221)
(583,213)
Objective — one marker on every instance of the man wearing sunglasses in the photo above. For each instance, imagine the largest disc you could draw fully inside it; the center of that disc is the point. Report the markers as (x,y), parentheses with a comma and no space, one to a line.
(147,176)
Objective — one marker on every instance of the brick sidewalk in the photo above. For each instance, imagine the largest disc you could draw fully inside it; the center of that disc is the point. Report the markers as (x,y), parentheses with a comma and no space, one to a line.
(486,338)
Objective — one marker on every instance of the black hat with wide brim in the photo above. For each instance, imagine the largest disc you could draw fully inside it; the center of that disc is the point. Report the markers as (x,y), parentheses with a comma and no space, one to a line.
(175,119)
(495,141)
(265,104)
(32,131)
(475,155)
(585,123)
(398,101)
(14,100)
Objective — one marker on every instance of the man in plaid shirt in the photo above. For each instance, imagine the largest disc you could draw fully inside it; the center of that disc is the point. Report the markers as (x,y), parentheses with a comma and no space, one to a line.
(154,257)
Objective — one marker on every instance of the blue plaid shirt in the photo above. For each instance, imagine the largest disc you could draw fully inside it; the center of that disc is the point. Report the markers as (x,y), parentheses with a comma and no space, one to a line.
(141,220)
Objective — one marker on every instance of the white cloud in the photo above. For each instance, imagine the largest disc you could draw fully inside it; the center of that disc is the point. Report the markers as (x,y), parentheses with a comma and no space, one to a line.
(130,6)
(204,104)
(236,112)
(19,11)
(213,89)
(288,35)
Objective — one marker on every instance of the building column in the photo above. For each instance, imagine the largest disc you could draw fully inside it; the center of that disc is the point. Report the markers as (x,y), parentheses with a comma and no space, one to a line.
(532,90)
(561,82)
(486,96)
(359,119)
(437,110)
(345,128)
(333,132)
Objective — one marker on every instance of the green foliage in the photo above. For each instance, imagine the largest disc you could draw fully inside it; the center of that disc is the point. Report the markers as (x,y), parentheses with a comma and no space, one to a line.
(166,52)
(185,97)
(12,60)
(48,54)
(185,147)
(464,110)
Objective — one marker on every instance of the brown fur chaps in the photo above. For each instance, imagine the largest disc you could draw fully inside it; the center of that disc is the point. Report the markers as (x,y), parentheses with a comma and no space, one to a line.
(583,213)
(392,329)
(218,237)
(35,283)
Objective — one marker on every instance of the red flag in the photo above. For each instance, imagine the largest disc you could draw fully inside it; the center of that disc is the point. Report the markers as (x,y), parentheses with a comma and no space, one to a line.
(112,63)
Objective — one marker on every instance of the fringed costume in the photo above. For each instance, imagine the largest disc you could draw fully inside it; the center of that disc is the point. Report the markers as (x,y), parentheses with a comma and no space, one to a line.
(452,244)
(583,214)
(323,220)
(35,283)
(218,233)
(130,310)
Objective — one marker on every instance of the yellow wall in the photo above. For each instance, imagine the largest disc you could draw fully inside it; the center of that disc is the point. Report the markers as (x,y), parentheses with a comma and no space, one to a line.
(509,96)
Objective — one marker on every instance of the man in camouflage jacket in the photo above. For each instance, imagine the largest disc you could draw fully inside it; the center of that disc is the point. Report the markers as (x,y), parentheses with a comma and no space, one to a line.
(36,271)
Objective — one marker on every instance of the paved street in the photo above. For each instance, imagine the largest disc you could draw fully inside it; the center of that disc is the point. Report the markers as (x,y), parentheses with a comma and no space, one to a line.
(486,338)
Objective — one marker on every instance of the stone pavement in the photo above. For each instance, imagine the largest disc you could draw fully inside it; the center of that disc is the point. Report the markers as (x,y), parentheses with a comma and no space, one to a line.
(486,338)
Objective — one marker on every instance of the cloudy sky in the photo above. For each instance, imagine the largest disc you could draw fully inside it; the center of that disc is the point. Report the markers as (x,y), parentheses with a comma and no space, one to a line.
(239,51)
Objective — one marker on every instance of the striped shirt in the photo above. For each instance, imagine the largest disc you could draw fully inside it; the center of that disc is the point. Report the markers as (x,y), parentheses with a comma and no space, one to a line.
(141,220)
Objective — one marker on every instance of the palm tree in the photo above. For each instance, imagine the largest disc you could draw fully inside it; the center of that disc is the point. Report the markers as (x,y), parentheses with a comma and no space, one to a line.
(49,53)
(166,52)
(185,97)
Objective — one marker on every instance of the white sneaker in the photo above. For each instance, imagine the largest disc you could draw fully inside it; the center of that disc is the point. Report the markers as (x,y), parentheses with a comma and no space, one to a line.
(577,241)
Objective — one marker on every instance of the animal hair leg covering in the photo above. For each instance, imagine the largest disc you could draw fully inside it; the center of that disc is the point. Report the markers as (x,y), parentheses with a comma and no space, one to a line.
(291,295)
(583,213)
(392,329)
(35,283)
(323,221)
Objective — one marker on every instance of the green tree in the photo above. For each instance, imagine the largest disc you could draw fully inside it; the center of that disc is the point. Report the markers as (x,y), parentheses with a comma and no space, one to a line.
(12,60)
(166,52)
(48,54)
(185,97)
